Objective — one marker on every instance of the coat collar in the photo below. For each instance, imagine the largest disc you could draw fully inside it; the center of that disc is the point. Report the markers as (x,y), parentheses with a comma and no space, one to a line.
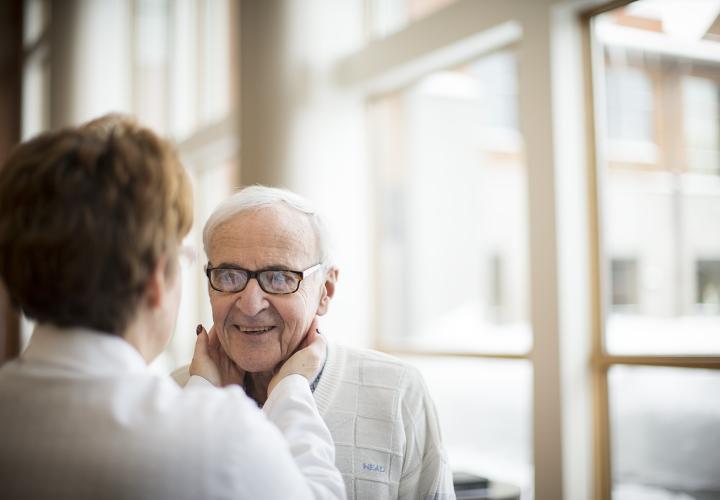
(82,351)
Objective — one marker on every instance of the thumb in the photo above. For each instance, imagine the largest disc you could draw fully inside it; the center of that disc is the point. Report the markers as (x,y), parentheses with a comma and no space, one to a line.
(201,343)
(201,354)
(202,363)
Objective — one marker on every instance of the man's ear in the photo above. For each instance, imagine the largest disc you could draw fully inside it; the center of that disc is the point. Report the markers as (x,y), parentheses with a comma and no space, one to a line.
(156,286)
(328,290)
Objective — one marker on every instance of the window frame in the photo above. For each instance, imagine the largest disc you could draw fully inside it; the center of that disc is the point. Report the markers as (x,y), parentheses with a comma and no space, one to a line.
(571,438)
(468,29)
(600,360)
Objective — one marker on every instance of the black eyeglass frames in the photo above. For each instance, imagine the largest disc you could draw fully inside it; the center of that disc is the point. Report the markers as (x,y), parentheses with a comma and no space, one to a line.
(275,281)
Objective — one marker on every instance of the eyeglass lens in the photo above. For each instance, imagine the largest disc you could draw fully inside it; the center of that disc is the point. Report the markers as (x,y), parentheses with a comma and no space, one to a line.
(235,280)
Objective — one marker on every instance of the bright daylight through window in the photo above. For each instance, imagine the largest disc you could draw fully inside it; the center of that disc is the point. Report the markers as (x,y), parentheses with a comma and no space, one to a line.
(657,78)
(452,269)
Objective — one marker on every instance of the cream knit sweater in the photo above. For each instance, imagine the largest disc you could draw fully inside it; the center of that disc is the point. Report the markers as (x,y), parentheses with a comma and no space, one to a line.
(383,422)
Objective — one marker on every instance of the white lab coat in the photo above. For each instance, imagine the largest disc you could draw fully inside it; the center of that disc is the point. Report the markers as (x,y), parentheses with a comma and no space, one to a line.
(82,417)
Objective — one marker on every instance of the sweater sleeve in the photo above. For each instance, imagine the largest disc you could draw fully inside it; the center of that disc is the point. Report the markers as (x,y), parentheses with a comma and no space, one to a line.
(426,472)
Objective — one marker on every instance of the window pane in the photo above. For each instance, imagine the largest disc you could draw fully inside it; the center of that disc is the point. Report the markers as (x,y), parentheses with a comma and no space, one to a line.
(216,61)
(660,197)
(184,69)
(701,123)
(151,59)
(624,283)
(665,440)
(452,211)
(35,97)
(484,410)
(630,104)
(35,19)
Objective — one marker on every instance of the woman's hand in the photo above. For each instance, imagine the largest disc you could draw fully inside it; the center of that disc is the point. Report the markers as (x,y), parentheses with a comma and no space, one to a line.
(212,363)
(307,361)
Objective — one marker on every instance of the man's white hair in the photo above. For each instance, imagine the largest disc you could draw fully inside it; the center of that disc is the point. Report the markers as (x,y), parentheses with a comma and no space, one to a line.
(256,197)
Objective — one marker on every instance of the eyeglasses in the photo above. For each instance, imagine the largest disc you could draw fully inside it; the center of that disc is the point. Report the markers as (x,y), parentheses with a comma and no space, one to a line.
(235,279)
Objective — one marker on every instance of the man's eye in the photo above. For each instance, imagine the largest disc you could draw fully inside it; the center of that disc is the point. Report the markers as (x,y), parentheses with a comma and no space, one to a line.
(281,278)
(230,278)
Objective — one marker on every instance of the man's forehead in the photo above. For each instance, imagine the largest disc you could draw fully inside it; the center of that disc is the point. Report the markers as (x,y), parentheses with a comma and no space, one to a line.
(277,230)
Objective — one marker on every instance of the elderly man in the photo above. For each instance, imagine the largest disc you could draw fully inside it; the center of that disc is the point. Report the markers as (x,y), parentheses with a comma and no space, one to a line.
(270,277)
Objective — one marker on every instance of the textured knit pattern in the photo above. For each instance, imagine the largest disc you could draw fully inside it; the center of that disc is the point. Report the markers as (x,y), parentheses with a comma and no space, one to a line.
(383,422)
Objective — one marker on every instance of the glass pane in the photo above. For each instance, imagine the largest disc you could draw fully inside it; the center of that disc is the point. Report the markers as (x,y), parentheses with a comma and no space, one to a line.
(35,97)
(664,433)
(216,61)
(660,197)
(484,408)
(452,211)
(151,58)
(35,20)
(184,69)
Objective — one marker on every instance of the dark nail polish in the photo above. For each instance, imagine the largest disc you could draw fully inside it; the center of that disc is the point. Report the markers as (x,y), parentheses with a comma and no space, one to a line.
(198,330)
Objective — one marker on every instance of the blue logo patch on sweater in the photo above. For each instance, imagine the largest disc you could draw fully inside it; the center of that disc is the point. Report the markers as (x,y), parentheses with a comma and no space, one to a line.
(373,467)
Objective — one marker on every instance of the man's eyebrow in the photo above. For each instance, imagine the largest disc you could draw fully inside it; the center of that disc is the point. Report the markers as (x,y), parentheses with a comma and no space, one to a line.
(225,265)
(230,265)
(276,268)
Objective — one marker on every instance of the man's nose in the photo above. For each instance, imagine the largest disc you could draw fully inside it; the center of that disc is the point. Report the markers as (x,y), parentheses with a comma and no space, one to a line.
(252,299)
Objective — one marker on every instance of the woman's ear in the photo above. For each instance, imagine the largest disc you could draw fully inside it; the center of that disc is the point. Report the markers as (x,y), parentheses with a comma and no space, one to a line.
(156,286)
(328,290)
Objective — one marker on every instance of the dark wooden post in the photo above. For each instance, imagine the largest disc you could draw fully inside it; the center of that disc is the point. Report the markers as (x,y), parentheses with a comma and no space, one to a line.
(11,47)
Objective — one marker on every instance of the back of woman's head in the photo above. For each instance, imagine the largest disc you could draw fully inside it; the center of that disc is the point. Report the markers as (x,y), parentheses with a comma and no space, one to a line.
(86,213)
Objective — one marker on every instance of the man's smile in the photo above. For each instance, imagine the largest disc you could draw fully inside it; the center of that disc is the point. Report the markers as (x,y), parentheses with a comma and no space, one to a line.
(254,330)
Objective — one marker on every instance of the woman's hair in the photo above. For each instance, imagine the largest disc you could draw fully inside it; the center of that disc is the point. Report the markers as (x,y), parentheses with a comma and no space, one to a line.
(256,197)
(86,213)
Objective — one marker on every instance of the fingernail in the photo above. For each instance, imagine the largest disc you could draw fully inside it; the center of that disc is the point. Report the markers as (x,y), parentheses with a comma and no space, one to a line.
(198,330)
(318,331)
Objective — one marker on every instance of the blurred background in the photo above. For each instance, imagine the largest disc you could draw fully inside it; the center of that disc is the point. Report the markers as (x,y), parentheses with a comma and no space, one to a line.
(524,199)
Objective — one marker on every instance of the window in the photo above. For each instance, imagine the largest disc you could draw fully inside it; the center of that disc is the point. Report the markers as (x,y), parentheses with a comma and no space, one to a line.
(701,123)
(663,440)
(624,283)
(151,62)
(36,68)
(708,286)
(486,428)
(664,211)
(630,102)
(657,350)
(452,269)
(453,251)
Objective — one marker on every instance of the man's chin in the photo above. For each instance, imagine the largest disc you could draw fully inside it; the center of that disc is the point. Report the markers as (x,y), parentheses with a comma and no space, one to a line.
(256,366)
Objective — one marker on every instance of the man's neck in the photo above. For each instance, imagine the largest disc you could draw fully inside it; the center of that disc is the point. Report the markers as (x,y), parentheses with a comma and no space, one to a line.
(256,386)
